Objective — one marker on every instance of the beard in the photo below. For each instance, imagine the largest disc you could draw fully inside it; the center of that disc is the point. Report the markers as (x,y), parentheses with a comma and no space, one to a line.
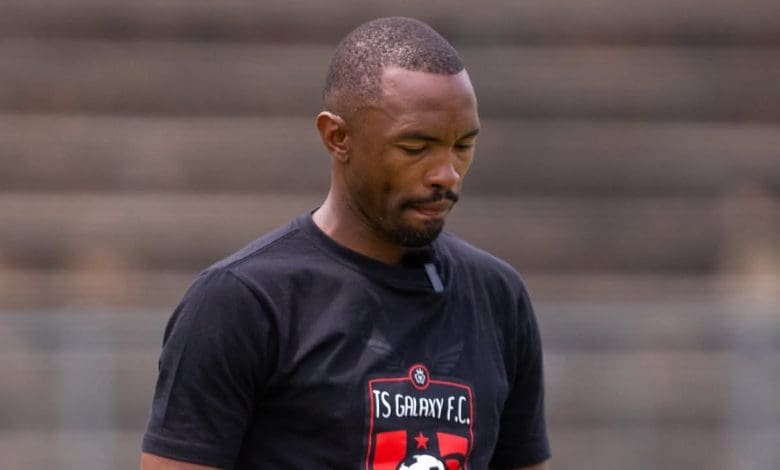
(414,237)
(411,237)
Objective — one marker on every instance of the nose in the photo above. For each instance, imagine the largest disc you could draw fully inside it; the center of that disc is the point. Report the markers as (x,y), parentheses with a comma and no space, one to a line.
(444,172)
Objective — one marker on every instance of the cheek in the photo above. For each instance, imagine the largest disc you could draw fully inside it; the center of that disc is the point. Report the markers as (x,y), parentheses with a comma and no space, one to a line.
(372,190)
(464,165)
(389,194)
(403,183)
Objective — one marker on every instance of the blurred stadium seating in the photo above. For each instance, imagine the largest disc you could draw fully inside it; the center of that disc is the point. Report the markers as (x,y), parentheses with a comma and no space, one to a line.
(629,167)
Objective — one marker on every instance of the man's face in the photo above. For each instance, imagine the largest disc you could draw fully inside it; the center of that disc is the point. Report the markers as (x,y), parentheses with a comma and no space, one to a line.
(410,152)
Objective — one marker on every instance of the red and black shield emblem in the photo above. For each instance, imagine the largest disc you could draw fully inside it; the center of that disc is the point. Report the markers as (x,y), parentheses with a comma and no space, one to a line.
(417,421)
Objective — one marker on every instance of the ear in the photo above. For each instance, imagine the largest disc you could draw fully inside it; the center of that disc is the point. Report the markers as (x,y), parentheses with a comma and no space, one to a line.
(333,132)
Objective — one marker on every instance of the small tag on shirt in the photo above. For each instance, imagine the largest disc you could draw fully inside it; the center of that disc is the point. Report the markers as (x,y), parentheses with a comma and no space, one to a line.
(433,276)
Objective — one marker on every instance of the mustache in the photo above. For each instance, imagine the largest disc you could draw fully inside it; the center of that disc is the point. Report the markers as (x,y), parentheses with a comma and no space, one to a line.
(435,197)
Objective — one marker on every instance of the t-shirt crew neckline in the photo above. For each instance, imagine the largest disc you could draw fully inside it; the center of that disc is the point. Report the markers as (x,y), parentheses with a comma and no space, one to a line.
(407,277)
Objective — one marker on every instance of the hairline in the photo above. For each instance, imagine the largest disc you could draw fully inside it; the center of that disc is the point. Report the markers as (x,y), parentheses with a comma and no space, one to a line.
(356,70)
(374,95)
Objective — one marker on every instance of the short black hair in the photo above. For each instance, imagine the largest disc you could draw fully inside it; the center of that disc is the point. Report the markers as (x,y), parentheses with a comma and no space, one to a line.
(355,70)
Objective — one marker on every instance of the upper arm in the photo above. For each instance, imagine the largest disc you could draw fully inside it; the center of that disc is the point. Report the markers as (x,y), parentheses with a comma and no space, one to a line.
(210,372)
(155,462)
(522,435)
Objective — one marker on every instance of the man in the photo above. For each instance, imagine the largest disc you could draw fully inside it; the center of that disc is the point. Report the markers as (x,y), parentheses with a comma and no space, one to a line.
(361,336)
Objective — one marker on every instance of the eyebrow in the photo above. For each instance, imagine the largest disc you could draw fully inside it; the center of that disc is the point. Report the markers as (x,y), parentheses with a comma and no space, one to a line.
(428,138)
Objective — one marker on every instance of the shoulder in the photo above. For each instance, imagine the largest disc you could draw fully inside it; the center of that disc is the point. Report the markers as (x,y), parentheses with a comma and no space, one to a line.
(466,257)
(231,278)
(276,268)
(502,292)
(273,256)
(279,243)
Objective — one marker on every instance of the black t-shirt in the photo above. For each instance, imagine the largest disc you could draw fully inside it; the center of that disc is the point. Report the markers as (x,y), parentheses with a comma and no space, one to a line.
(298,353)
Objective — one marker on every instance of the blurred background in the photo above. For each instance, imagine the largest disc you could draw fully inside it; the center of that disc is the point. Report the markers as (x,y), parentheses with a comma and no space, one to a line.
(629,167)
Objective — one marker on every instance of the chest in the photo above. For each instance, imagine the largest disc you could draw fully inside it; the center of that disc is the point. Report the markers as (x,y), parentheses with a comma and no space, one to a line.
(384,377)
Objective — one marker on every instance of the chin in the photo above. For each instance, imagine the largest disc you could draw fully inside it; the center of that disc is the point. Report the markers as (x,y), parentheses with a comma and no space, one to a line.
(414,237)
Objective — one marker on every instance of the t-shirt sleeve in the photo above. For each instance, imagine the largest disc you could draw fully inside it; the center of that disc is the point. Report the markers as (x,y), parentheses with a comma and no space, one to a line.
(214,363)
(522,439)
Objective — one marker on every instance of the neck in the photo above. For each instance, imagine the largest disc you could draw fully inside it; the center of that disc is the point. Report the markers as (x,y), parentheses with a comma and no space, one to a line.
(338,221)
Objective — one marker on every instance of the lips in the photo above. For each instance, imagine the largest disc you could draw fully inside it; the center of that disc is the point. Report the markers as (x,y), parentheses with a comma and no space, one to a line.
(433,209)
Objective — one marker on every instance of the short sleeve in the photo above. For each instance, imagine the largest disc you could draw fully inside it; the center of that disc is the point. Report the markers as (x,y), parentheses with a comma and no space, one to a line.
(213,364)
(522,439)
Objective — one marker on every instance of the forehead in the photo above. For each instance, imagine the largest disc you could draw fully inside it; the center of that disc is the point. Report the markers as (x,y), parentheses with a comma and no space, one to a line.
(411,95)
(400,86)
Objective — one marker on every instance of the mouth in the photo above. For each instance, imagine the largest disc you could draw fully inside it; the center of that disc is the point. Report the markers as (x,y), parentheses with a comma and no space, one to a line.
(437,209)
(435,206)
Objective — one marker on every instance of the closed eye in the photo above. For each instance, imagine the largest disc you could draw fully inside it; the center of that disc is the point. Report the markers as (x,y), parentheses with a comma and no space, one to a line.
(465,146)
(412,150)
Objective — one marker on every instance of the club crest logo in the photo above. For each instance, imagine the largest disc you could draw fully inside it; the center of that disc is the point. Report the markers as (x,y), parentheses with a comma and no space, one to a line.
(418,374)
(419,422)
